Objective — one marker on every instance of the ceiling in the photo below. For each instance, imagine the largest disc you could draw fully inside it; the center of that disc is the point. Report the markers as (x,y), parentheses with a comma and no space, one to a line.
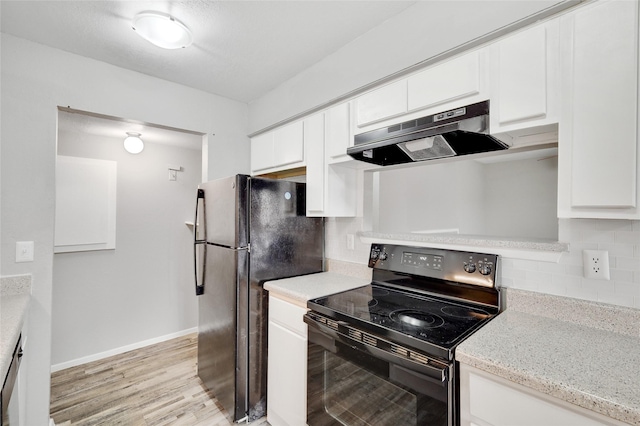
(241,49)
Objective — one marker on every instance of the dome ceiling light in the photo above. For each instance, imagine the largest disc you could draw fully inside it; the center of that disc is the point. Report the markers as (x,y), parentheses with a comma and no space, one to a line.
(162,29)
(133,144)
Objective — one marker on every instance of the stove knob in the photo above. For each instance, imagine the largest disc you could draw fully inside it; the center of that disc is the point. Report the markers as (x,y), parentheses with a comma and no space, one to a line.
(469,267)
(375,253)
(383,256)
(485,268)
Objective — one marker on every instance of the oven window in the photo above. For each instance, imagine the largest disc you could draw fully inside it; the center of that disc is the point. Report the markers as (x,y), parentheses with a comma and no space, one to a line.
(350,387)
(354,396)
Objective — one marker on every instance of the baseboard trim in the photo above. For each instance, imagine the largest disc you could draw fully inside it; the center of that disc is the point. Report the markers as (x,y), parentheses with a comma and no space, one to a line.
(121,350)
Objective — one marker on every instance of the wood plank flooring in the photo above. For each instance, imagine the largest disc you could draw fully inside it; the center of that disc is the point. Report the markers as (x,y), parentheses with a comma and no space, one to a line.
(156,385)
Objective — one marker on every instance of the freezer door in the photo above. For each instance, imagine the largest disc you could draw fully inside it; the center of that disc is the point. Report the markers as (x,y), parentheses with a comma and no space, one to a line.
(226,211)
(222,353)
(284,242)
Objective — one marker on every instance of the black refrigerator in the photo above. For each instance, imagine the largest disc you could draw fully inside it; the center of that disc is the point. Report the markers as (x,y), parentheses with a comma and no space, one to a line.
(247,231)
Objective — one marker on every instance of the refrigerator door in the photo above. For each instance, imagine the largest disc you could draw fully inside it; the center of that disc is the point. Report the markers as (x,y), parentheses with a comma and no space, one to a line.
(221,350)
(226,211)
(284,243)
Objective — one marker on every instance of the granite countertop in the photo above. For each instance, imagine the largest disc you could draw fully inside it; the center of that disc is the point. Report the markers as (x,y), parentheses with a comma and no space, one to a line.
(591,367)
(14,303)
(298,290)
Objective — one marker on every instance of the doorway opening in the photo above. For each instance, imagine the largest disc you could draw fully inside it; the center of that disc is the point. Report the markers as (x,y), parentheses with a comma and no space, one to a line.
(139,291)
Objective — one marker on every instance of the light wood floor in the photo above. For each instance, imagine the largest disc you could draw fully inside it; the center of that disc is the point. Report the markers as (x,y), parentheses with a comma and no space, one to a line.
(156,385)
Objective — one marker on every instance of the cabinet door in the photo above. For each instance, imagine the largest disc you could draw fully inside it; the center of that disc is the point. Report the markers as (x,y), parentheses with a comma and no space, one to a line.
(262,152)
(487,399)
(598,169)
(338,132)
(288,143)
(287,377)
(331,187)
(524,79)
(455,79)
(385,102)
(315,141)
(287,364)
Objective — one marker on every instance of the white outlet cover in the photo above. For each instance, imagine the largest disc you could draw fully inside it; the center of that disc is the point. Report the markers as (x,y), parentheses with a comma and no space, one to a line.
(596,264)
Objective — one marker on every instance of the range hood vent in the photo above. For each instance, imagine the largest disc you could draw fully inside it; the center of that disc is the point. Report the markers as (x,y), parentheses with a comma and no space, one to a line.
(460,131)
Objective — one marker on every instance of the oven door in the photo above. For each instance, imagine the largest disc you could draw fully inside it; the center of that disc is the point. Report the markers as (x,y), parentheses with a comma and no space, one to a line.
(354,383)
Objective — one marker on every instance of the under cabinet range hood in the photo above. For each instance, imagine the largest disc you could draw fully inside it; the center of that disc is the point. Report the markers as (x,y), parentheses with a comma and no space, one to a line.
(459,131)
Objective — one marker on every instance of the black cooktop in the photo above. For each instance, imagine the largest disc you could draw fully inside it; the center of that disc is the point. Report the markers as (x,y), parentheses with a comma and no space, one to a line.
(404,316)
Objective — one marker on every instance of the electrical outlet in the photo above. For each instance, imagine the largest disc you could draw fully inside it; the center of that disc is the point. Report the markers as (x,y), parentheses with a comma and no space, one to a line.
(596,264)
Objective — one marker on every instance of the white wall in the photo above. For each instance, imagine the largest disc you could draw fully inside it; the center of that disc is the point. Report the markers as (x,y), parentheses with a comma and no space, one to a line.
(621,238)
(35,80)
(418,33)
(515,199)
(143,289)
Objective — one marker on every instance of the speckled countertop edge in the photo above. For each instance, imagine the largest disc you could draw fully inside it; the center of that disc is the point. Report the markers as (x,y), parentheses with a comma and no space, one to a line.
(15,295)
(298,290)
(593,368)
(617,319)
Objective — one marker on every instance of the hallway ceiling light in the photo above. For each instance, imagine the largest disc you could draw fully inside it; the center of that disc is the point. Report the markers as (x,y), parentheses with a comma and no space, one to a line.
(133,144)
(162,30)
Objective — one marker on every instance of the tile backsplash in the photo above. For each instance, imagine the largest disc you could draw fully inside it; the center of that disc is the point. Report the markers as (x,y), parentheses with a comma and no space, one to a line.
(621,238)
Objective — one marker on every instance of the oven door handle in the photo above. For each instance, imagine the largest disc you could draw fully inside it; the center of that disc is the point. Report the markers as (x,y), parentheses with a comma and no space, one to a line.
(326,337)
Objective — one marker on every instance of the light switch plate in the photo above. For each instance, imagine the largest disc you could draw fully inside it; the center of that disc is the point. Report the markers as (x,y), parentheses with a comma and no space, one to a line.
(351,242)
(24,251)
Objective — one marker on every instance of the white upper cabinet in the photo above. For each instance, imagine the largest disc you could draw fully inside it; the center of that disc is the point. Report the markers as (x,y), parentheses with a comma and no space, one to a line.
(289,144)
(331,187)
(338,132)
(386,102)
(454,79)
(446,85)
(525,79)
(598,140)
(262,153)
(278,149)
(314,135)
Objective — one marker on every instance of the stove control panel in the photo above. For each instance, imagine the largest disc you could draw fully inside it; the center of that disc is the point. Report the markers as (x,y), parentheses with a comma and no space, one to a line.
(421,260)
(478,269)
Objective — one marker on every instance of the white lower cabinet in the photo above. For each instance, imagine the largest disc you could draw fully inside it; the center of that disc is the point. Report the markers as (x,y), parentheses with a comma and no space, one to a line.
(488,400)
(287,364)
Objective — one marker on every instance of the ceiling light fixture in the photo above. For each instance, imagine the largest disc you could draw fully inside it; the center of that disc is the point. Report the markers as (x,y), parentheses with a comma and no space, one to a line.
(162,30)
(133,144)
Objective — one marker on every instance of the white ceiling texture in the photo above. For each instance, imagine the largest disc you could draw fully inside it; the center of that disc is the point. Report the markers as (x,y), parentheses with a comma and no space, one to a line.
(241,49)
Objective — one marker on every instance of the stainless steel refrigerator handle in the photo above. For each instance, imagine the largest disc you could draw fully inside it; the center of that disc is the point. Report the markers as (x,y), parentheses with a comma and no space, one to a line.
(196,242)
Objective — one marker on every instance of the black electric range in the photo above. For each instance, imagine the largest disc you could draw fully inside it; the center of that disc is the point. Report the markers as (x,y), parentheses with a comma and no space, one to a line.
(384,353)
(428,299)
